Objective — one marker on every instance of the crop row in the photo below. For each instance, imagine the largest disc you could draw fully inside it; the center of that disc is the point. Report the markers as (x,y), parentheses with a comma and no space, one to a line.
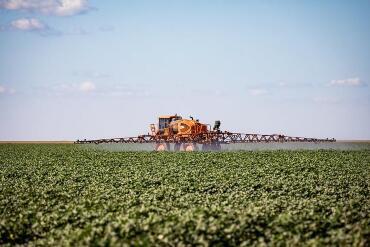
(63,195)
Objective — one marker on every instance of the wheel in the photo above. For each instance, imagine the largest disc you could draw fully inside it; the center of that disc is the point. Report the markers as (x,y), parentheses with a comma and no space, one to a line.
(215,146)
(177,147)
(189,147)
(162,147)
(206,147)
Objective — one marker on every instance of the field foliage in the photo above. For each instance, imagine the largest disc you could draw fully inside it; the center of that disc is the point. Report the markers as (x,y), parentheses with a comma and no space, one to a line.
(64,195)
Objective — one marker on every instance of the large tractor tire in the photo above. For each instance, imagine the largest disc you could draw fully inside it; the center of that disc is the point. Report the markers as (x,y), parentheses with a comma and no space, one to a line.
(216,146)
(211,147)
(177,147)
(206,147)
(190,147)
(162,147)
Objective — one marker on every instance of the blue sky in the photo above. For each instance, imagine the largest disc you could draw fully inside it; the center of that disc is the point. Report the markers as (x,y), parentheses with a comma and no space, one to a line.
(95,69)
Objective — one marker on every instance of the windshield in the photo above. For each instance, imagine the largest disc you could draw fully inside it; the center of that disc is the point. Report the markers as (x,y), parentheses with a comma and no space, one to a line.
(163,123)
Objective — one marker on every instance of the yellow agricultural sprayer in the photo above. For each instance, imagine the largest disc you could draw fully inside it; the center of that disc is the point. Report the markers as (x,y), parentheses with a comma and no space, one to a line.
(190,135)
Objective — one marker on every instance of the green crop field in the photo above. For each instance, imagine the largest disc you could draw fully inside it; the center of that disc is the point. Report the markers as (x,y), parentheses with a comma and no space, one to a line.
(59,194)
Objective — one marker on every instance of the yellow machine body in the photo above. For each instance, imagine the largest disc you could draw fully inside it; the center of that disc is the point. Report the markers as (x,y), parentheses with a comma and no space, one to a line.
(177,127)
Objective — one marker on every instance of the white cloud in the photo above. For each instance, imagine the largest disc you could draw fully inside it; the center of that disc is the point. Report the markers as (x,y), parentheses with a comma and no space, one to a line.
(47,7)
(5,90)
(90,88)
(87,86)
(30,25)
(347,82)
(71,88)
(27,24)
(90,74)
(257,91)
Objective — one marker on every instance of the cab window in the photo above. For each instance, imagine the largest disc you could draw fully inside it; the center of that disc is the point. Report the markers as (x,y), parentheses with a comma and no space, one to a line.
(163,123)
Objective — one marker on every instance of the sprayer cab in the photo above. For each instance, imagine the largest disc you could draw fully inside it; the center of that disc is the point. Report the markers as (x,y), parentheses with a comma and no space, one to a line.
(164,121)
(177,127)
